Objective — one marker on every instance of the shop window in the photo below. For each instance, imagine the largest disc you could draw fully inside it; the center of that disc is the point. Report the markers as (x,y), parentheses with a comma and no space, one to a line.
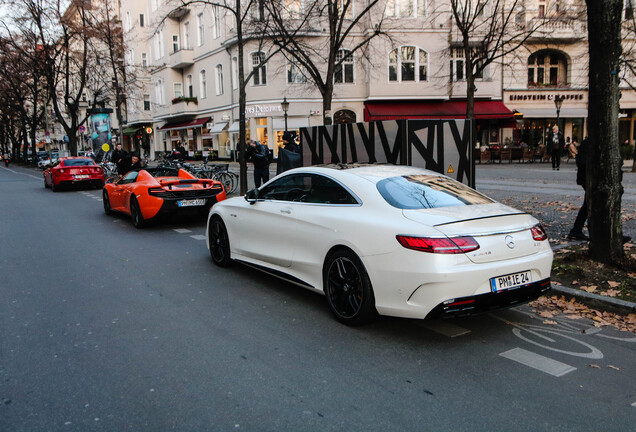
(344,116)
(408,63)
(547,68)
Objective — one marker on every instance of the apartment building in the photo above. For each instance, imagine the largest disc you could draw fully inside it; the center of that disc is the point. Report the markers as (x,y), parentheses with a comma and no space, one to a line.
(188,56)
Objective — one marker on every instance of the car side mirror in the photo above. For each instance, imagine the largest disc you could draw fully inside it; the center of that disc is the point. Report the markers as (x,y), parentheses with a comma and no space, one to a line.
(251,196)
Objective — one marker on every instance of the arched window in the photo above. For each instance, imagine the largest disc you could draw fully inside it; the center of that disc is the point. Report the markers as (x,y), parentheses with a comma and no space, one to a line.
(408,63)
(344,116)
(547,68)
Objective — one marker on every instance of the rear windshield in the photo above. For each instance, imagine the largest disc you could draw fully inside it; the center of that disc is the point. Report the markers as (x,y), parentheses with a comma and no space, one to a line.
(78,162)
(428,191)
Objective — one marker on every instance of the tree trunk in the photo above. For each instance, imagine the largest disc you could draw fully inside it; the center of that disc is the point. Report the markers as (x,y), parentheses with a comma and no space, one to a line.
(604,188)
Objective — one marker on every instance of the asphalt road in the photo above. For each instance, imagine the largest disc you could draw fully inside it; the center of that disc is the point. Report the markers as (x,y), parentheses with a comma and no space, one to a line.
(108,328)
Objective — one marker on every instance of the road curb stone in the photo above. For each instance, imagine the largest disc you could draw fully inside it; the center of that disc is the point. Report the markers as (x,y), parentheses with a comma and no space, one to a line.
(607,304)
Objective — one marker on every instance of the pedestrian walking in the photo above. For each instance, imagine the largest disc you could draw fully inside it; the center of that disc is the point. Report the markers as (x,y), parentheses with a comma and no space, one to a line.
(555,146)
(259,155)
(6,159)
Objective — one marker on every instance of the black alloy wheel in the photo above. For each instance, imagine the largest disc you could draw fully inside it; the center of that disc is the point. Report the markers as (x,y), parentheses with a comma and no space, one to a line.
(135,212)
(348,288)
(46,185)
(106,201)
(53,187)
(219,242)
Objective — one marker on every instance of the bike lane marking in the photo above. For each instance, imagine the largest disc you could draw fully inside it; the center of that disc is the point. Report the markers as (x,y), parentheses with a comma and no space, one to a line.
(539,362)
(198,237)
(182,230)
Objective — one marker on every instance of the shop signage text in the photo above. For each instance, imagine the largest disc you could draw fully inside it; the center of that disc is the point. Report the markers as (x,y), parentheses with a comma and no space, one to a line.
(543,97)
(262,109)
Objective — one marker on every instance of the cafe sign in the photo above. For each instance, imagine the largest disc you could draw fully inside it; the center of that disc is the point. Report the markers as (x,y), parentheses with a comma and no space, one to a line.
(539,97)
(260,110)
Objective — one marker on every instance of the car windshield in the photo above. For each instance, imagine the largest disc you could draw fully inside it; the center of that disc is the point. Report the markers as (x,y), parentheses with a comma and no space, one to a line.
(78,162)
(428,191)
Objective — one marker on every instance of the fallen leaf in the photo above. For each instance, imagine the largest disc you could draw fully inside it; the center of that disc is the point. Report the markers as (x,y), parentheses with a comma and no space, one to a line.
(595,366)
(546,314)
(550,322)
(613,284)
(590,289)
(611,293)
(613,367)
(575,282)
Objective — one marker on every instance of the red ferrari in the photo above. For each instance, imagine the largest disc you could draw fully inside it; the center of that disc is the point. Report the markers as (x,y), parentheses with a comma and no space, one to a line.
(73,171)
(146,194)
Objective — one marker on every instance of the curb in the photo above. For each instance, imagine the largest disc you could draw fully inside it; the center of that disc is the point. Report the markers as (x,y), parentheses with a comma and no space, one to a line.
(596,301)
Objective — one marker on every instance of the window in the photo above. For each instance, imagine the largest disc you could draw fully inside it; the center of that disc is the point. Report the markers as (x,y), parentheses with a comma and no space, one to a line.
(144,60)
(162,51)
(178,89)
(189,89)
(293,9)
(295,74)
(159,92)
(186,35)
(343,73)
(259,68)
(204,84)
(547,68)
(257,10)
(308,188)
(200,30)
(408,63)
(142,20)
(175,43)
(216,20)
(128,22)
(235,79)
(629,9)
(405,8)
(219,79)
(146,102)
(428,191)
(348,14)
(458,66)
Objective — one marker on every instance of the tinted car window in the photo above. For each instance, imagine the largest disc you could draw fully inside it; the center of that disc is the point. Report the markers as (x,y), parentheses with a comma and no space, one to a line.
(428,191)
(129,178)
(78,162)
(309,188)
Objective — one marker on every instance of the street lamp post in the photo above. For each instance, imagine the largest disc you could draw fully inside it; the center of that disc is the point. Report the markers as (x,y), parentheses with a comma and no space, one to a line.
(558,102)
(285,105)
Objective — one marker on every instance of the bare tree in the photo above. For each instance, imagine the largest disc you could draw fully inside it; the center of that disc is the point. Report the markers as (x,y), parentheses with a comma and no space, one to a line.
(323,36)
(604,188)
(487,32)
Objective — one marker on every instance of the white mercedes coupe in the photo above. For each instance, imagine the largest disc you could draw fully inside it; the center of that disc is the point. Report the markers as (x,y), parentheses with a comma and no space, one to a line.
(384,239)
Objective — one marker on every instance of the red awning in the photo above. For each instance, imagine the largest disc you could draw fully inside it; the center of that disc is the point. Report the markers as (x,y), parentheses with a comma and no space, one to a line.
(185,125)
(403,110)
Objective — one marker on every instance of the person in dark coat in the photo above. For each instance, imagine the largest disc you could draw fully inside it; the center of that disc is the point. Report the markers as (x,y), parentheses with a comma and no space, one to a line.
(182,152)
(289,154)
(135,163)
(258,154)
(576,233)
(555,146)
(120,158)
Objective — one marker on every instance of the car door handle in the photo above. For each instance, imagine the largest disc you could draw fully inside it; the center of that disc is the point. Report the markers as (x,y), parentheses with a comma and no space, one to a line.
(286,210)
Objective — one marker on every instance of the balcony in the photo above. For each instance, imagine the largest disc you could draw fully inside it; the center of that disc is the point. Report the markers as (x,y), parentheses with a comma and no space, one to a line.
(182,58)
(182,107)
(562,29)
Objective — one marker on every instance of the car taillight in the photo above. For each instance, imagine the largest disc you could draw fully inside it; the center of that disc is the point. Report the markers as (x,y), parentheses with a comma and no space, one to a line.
(61,171)
(444,245)
(158,192)
(538,233)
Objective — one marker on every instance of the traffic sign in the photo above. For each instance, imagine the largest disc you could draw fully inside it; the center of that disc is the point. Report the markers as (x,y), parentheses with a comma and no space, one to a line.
(82,129)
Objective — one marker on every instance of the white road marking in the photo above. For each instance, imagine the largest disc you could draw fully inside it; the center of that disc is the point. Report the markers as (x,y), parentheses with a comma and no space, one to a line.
(198,237)
(634,404)
(444,328)
(182,230)
(539,362)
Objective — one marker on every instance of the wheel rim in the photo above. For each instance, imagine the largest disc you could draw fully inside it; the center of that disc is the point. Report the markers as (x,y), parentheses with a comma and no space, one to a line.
(219,243)
(344,287)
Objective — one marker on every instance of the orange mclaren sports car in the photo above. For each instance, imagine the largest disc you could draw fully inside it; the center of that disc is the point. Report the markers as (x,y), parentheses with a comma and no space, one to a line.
(146,194)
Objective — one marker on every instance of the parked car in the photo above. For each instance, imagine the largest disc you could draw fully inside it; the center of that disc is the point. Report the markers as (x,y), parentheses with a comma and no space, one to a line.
(146,194)
(45,160)
(73,171)
(389,240)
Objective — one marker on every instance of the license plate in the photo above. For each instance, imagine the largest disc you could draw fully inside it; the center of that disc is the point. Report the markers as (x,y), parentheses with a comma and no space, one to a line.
(514,280)
(82,176)
(191,202)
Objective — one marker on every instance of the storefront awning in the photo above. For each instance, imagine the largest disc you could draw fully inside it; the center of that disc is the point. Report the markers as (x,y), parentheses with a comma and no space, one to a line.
(551,113)
(218,128)
(402,110)
(234,128)
(131,130)
(197,123)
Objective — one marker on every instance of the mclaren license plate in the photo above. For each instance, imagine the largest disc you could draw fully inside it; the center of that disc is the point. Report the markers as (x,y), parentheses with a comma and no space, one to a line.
(514,280)
(191,202)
